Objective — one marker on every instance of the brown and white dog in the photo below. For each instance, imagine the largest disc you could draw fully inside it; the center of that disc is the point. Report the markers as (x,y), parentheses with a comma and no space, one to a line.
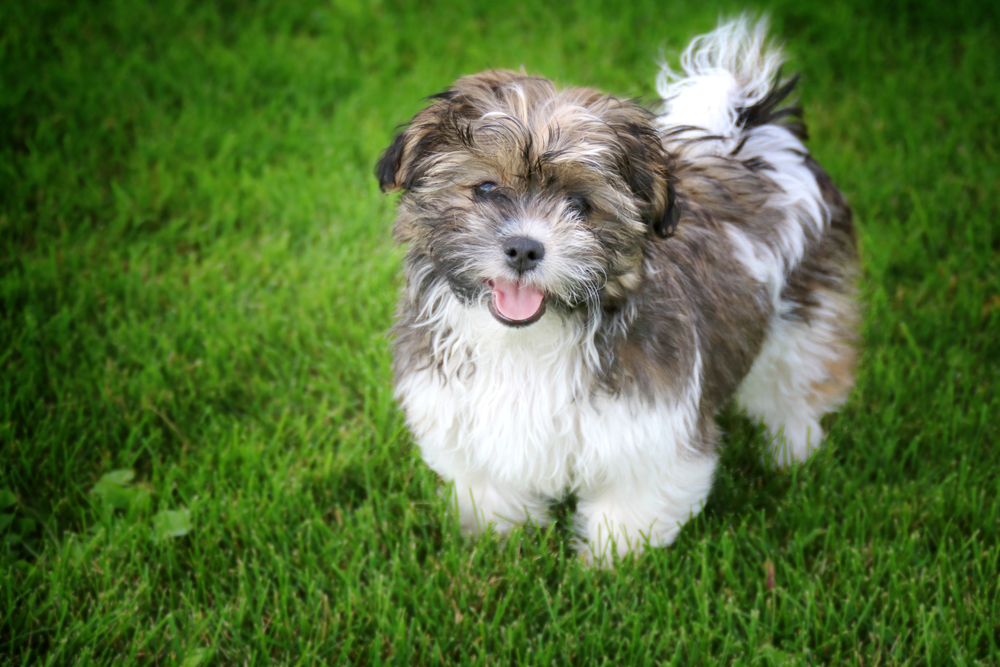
(589,281)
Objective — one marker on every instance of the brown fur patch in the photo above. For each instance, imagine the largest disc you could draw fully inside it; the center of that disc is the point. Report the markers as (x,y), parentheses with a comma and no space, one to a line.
(839,313)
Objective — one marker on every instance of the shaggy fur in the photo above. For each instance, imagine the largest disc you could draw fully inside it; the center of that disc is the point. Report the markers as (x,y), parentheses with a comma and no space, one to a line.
(588,281)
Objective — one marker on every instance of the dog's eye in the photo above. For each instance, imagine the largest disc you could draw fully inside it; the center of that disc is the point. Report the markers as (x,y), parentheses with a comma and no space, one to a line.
(484,189)
(579,205)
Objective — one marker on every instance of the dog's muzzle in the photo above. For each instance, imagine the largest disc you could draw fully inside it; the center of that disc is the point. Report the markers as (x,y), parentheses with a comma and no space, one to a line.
(523,253)
(516,303)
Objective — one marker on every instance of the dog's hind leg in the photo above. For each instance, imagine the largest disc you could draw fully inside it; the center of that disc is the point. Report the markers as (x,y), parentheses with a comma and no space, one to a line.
(805,369)
(806,366)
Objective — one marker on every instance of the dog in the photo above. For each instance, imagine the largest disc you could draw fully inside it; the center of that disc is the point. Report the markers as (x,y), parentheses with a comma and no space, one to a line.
(588,281)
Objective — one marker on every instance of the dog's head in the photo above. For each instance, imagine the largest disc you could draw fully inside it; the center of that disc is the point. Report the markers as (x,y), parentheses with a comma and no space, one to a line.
(529,196)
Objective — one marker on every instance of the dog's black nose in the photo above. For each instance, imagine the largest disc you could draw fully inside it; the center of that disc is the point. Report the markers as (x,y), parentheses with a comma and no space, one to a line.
(523,254)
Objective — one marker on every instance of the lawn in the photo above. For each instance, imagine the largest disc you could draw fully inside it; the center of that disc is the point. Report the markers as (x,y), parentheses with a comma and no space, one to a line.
(201,462)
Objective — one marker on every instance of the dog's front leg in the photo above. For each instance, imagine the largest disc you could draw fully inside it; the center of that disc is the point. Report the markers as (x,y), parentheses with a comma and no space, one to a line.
(647,506)
(483,502)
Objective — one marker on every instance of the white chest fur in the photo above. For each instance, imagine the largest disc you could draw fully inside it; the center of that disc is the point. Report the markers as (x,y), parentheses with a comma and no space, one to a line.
(517,406)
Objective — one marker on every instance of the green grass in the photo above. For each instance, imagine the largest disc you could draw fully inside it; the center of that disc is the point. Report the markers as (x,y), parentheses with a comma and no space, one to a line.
(196,275)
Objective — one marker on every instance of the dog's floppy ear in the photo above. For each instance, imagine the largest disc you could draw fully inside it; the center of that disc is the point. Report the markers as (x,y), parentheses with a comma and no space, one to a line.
(667,224)
(447,115)
(400,165)
(397,169)
(390,164)
(645,166)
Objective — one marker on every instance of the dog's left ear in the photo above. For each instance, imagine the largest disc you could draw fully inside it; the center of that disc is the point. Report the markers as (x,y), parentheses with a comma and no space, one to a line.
(645,165)
(667,224)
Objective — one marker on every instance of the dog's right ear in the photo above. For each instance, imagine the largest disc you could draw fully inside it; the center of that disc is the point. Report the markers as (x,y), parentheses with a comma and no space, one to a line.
(389,165)
(398,168)
(400,165)
(448,115)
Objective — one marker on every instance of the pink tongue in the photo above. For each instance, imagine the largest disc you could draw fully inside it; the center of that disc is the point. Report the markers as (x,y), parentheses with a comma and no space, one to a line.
(516,302)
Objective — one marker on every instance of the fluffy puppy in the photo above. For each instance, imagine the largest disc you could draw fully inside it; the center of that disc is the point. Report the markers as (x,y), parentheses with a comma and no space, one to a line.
(588,281)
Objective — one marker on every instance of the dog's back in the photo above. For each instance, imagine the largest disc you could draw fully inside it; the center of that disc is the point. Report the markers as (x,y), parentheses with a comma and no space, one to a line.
(741,161)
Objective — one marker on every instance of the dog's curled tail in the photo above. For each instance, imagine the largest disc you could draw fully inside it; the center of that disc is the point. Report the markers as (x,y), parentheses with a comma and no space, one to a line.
(731,82)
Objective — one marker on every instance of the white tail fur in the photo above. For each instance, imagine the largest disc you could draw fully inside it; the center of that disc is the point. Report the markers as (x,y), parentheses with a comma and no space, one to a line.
(730,68)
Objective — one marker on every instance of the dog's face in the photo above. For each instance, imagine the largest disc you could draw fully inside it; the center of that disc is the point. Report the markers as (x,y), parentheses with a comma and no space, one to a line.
(524,197)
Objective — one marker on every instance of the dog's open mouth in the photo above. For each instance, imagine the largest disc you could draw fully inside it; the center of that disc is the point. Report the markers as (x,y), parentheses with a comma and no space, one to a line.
(516,304)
